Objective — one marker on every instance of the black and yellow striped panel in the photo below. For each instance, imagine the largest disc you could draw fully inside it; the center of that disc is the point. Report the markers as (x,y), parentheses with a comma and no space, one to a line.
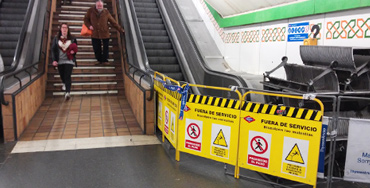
(214,101)
(174,94)
(300,113)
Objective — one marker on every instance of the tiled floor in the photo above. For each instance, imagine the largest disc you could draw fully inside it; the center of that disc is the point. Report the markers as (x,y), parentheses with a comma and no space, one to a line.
(82,117)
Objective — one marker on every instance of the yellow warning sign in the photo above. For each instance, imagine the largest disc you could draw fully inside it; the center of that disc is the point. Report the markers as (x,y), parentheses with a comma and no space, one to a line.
(295,155)
(220,139)
(294,169)
(172,126)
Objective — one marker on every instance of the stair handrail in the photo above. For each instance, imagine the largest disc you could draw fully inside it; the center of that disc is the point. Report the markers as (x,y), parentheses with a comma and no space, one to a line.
(20,43)
(41,63)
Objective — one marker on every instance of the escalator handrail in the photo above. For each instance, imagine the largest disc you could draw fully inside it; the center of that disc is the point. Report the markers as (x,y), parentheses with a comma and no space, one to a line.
(137,69)
(24,69)
(131,65)
(241,81)
(41,62)
(139,37)
(20,43)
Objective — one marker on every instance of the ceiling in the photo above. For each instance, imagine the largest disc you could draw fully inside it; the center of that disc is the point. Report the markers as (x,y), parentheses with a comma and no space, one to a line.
(227,8)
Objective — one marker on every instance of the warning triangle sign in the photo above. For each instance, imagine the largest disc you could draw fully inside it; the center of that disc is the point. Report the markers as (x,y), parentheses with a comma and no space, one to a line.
(172,126)
(220,139)
(295,155)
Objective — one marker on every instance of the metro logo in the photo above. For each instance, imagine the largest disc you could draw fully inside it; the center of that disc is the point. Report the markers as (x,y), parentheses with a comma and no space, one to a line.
(249,119)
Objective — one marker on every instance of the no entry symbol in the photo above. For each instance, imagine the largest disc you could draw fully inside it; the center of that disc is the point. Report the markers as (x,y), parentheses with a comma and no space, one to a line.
(193,130)
(259,144)
(167,117)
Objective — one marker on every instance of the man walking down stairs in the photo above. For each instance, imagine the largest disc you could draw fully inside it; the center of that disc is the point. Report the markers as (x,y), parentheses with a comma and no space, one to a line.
(96,19)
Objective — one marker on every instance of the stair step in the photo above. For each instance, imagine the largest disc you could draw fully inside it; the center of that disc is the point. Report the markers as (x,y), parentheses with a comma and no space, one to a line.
(87,92)
(87,78)
(87,81)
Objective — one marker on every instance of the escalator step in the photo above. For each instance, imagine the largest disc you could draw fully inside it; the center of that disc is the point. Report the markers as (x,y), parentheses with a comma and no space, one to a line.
(145,4)
(18,1)
(13,10)
(151,1)
(149,46)
(8,45)
(152,27)
(11,16)
(158,39)
(166,68)
(9,37)
(10,30)
(7,52)
(6,23)
(8,5)
(150,20)
(8,61)
(154,32)
(160,53)
(146,10)
(162,60)
(148,15)
(176,76)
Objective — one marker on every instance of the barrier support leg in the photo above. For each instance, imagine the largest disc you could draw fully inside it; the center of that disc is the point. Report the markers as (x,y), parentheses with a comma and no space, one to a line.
(236,173)
(177,157)
(162,137)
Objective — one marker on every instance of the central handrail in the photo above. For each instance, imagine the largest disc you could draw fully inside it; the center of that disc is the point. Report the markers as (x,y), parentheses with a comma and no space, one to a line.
(20,44)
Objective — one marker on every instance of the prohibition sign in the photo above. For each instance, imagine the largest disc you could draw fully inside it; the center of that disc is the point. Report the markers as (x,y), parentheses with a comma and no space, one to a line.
(166,117)
(259,144)
(193,130)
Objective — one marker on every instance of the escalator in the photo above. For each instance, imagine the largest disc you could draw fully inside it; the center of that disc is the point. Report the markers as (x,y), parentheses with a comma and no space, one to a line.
(158,46)
(12,15)
(157,39)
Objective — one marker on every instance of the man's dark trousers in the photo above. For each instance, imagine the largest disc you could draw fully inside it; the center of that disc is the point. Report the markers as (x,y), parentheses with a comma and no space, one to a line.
(97,49)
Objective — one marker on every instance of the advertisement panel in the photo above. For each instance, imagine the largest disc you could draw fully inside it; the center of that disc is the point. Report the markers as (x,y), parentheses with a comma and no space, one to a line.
(358,151)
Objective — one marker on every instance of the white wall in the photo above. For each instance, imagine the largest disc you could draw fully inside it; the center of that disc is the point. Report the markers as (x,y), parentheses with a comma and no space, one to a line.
(259,47)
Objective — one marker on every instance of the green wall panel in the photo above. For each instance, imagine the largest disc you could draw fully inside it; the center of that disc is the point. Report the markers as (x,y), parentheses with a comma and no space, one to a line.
(304,8)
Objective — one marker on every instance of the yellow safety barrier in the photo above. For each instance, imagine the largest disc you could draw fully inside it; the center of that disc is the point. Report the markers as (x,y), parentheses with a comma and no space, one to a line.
(273,139)
(210,127)
(168,111)
(279,140)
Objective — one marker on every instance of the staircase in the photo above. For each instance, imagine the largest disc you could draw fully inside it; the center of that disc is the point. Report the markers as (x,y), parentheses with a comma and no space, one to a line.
(161,55)
(12,14)
(87,78)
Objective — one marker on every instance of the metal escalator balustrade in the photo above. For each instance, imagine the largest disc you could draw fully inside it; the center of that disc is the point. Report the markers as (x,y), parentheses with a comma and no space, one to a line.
(12,16)
(158,46)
